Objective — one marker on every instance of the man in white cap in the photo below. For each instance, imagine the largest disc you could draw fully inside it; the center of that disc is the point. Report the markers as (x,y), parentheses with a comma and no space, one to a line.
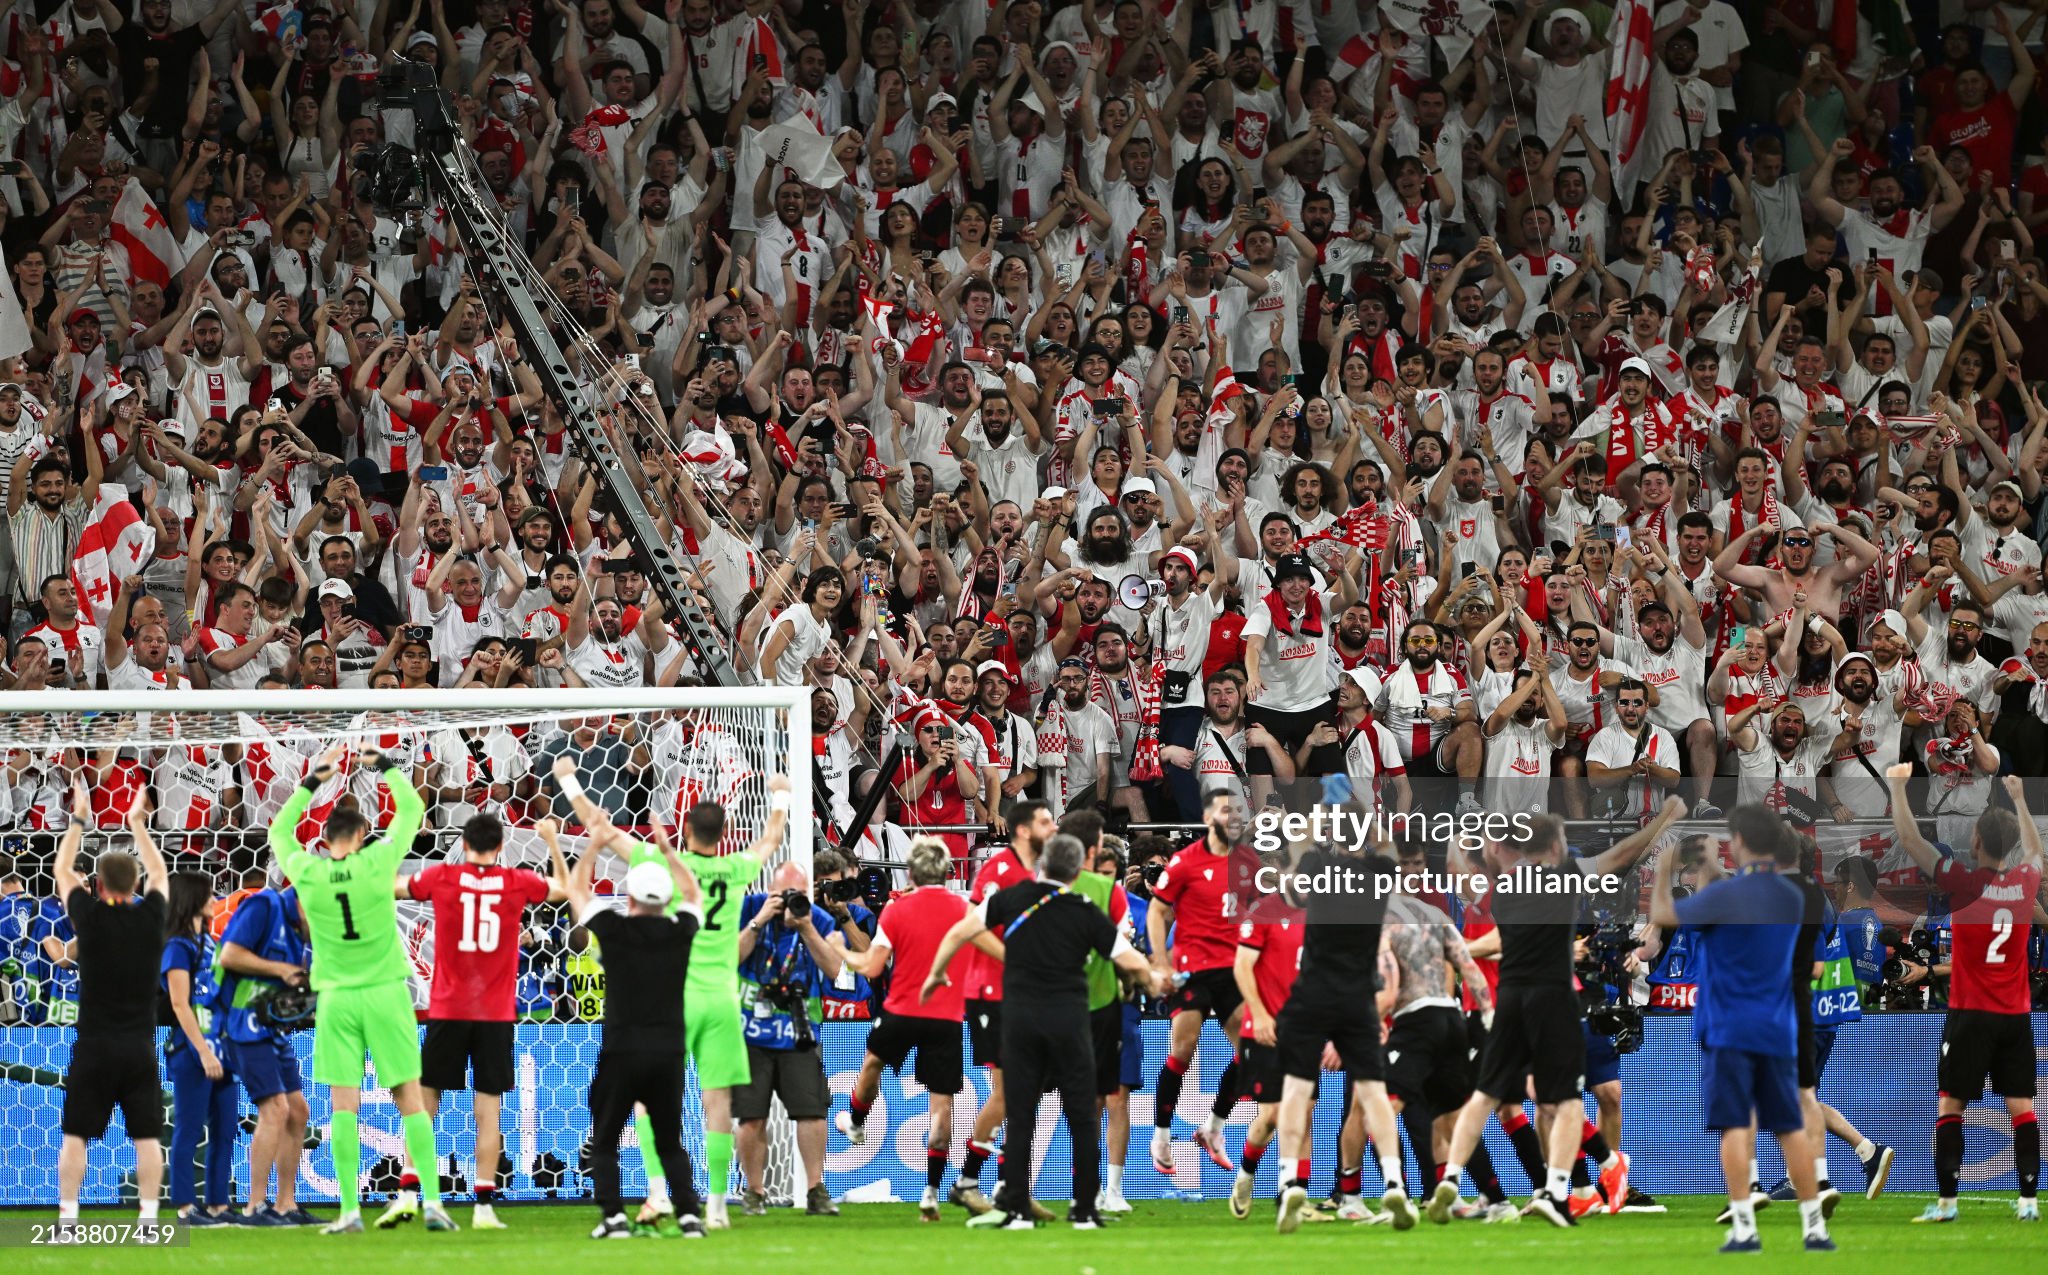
(1634,422)
(646,956)
(1030,150)
(1997,543)
(1569,80)
(354,643)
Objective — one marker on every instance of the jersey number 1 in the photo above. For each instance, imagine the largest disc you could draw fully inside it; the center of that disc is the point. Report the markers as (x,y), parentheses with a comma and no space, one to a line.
(348,918)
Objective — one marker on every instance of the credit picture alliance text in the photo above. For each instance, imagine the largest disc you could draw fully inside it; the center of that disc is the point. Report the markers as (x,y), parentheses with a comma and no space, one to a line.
(1352,830)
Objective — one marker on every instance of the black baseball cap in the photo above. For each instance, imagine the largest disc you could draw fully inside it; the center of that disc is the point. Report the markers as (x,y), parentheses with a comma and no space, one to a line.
(1293,566)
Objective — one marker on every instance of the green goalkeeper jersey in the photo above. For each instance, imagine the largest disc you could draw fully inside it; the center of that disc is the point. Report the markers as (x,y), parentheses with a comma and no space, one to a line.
(715,952)
(350,902)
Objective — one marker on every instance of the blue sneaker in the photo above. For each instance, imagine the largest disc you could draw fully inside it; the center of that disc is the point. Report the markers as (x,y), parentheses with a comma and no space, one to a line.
(300,1217)
(1784,1191)
(1819,1244)
(1877,1170)
(200,1217)
(265,1216)
(1754,1244)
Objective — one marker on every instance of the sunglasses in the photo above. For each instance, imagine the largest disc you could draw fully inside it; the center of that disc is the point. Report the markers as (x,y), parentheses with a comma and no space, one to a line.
(1966,626)
(1797,540)
(1585,641)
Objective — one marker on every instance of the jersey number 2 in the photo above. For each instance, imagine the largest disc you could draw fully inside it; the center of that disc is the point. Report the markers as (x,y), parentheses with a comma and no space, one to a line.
(2001,930)
(717,891)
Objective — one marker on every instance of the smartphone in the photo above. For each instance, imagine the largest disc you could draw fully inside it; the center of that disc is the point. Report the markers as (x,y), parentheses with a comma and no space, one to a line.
(945,734)
(1379,269)
(573,199)
(1467,568)
(1872,258)
(1605,531)
(1828,420)
(618,566)
(527,649)
(1180,314)
(1288,379)
(418,633)
(1977,303)
(2008,250)
(1198,259)
(1499,502)
(645,340)
(433,473)
(398,329)
(12,168)
(632,361)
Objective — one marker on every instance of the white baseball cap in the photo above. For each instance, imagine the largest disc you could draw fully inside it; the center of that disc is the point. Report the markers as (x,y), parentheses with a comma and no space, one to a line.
(1633,365)
(650,884)
(1366,679)
(336,589)
(1139,486)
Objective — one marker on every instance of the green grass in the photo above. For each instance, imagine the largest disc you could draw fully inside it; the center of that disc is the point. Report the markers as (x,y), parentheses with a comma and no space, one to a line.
(889,1240)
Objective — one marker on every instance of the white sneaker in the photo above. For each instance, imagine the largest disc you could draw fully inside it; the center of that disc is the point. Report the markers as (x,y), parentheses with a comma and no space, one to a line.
(2026,1209)
(404,1207)
(1397,1204)
(485,1218)
(1353,1208)
(1241,1195)
(857,1134)
(1162,1151)
(1502,1213)
(1112,1202)
(715,1218)
(928,1205)
(1293,1203)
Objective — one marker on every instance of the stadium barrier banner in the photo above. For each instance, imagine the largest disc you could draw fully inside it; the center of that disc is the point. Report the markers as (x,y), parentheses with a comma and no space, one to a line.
(1881,1077)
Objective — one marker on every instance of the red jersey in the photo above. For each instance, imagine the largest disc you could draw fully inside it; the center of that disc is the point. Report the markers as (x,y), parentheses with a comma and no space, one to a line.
(1478,923)
(985,973)
(477,914)
(1276,937)
(1991,917)
(1985,131)
(1208,893)
(912,926)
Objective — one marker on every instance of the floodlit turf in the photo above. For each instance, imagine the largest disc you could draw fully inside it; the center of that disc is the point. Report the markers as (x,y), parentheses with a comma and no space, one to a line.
(889,1240)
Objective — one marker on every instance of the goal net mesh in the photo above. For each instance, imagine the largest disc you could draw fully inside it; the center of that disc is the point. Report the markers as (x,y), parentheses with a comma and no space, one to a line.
(215,777)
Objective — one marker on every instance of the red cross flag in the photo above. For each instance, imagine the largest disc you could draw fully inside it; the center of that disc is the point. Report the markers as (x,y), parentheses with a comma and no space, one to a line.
(1628,89)
(115,543)
(139,226)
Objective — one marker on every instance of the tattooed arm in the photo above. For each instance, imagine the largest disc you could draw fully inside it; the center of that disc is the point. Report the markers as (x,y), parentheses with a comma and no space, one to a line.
(1460,958)
(1390,973)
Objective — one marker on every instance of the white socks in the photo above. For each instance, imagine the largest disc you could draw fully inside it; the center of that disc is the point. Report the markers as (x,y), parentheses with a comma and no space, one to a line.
(1116,1179)
(1742,1214)
(1865,1150)
(1390,1169)
(1559,1184)
(1810,1219)
(146,1210)
(1820,1168)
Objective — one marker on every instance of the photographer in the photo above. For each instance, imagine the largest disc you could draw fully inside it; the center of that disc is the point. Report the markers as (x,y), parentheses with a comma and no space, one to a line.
(787,963)
(262,952)
(838,881)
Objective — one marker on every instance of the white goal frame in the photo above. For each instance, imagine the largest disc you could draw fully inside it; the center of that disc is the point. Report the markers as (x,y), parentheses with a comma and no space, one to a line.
(793,702)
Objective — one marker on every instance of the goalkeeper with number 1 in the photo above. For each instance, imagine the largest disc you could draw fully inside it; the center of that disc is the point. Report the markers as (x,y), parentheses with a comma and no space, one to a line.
(712,1023)
(360,970)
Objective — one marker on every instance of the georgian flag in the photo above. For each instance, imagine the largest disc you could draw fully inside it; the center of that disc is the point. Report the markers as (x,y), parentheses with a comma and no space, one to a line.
(115,544)
(1628,87)
(14,333)
(139,226)
(282,23)
(758,49)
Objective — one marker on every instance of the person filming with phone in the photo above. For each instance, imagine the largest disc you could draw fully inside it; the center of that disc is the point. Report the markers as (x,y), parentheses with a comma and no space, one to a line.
(932,783)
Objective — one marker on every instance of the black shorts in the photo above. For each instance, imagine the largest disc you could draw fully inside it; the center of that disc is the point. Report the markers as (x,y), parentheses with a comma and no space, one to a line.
(936,1040)
(1106,1027)
(1429,1059)
(1537,1033)
(1351,1025)
(457,1048)
(105,1074)
(797,1076)
(1209,992)
(1424,765)
(1976,1043)
(1289,730)
(985,1031)
(1259,1077)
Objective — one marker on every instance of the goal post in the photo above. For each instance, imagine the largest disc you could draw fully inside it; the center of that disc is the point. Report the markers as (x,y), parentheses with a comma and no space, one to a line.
(219,764)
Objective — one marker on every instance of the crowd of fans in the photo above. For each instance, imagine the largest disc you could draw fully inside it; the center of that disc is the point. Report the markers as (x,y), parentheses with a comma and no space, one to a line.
(1107,401)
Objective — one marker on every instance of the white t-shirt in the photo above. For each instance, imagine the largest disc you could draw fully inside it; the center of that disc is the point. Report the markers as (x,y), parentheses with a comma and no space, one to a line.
(807,637)
(1679,674)
(1296,667)
(1615,748)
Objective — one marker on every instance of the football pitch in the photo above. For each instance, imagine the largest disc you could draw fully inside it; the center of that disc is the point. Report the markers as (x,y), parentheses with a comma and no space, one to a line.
(888,1239)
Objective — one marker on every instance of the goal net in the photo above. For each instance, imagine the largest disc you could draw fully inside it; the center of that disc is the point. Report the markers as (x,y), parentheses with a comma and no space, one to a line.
(218,765)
